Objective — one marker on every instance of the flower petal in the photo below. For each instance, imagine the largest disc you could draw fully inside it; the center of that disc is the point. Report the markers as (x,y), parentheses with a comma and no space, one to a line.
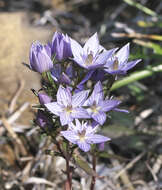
(108,105)
(76,48)
(131,64)
(79,98)
(123,54)
(80,113)
(100,117)
(97,94)
(70,136)
(65,118)
(92,45)
(54,107)
(97,139)
(63,96)
(84,146)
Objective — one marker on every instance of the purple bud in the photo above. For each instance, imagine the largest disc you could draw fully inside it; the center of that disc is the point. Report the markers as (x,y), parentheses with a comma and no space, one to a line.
(41,119)
(39,58)
(61,47)
(44,98)
(101,146)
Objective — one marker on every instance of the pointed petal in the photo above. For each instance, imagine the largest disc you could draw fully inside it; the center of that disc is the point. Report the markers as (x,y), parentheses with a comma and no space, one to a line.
(80,113)
(92,45)
(79,98)
(54,107)
(76,48)
(63,96)
(103,57)
(65,118)
(108,105)
(97,94)
(131,64)
(84,146)
(97,139)
(123,54)
(70,136)
(121,110)
(99,117)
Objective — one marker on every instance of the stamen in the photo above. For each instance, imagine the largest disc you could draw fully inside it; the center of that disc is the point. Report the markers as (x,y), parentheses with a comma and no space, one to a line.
(89,59)
(82,135)
(116,64)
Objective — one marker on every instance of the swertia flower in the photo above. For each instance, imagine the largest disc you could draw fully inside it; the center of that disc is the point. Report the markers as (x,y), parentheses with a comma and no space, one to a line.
(97,106)
(92,55)
(67,106)
(60,47)
(83,135)
(39,58)
(118,64)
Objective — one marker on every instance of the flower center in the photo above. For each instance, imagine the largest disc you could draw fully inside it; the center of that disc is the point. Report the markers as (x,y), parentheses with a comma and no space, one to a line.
(69,109)
(116,64)
(95,108)
(82,135)
(89,59)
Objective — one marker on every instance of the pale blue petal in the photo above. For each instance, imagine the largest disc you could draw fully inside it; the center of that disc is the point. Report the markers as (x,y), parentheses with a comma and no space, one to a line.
(131,64)
(63,96)
(100,117)
(123,54)
(121,110)
(84,146)
(65,118)
(80,113)
(79,98)
(70,136)
(76,48)
(108,105)
(97,139)
(92,45)
(54,107)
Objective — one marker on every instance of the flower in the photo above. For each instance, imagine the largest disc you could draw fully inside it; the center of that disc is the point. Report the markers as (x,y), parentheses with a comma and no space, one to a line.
(44,98)
(92,55)
(67,106)
(83,135)
(41,119)
(61,48)
(59,76)
(118,64)
(39,59)
(97,106)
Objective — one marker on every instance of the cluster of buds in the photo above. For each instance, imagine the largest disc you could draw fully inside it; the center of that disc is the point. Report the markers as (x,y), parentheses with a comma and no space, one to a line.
(76,84)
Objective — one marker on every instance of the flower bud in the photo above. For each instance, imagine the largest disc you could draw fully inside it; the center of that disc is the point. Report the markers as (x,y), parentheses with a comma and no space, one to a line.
(61,47)
(39,58)
(44,98)
(41,119)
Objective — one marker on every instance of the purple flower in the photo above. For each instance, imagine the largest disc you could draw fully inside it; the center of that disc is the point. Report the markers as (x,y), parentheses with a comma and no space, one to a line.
(92,55)
(41,119)
(44,98)
(39,59)
(59,76)
(118,64)
(48,49)
(83,135)
(97,106)
(61,48)
(67,106)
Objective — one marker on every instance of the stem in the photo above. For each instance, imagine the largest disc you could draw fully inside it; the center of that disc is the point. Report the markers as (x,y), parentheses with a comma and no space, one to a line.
(69,176)
(94,161)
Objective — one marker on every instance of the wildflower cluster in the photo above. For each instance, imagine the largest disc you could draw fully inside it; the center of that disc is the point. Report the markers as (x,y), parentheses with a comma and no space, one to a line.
(76,83)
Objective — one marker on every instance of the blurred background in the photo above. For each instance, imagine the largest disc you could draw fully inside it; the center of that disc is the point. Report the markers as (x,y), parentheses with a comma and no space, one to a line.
(134,157)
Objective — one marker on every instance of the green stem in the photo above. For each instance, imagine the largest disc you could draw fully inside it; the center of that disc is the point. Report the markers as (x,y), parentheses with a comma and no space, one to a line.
(94,161)
(136,76)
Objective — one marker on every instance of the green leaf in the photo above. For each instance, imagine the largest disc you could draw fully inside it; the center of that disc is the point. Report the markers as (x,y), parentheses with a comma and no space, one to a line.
(84,165)
(136,76)
(113,156)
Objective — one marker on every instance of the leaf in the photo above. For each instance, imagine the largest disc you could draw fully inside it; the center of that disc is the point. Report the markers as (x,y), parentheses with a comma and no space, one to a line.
(113,156)
(84,165)
(136,76)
